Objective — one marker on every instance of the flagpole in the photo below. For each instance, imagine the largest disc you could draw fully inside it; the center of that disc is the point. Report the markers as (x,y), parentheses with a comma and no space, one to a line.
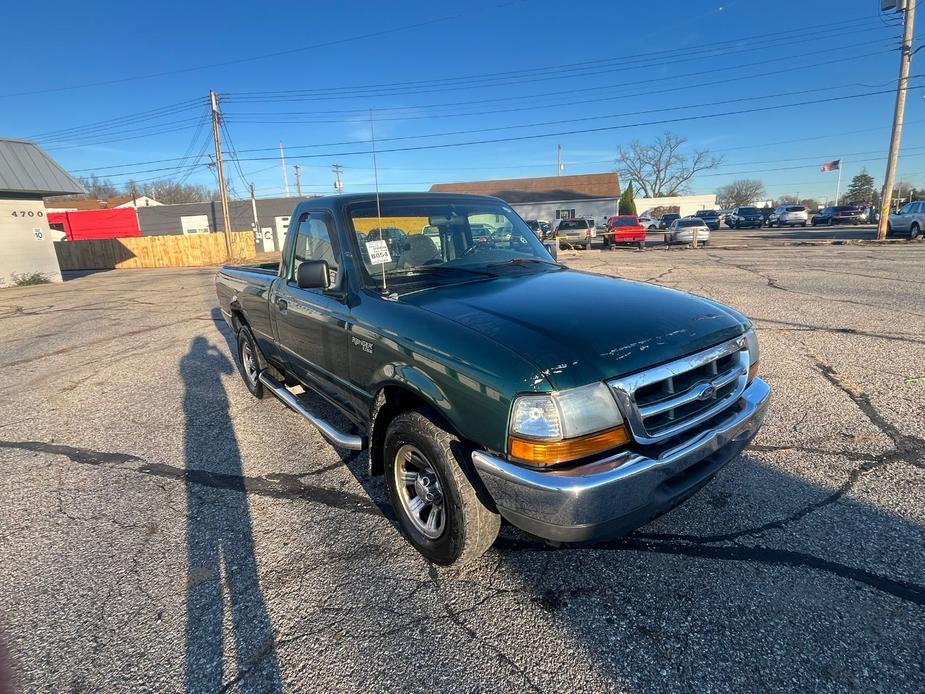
(838,185)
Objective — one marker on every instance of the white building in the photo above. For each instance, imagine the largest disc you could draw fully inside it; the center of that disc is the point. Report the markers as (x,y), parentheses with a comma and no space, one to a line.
(81,204)
(27,175)
(589,196)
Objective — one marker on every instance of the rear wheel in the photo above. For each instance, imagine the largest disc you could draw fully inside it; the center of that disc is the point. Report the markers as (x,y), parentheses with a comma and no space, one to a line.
(249,362)
(437,507)
(831,221)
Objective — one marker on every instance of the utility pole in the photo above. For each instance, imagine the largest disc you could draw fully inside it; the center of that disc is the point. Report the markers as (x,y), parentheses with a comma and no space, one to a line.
(338,184)
(282,161)
(558,160)
(223,191)
(298,181)
(905,62)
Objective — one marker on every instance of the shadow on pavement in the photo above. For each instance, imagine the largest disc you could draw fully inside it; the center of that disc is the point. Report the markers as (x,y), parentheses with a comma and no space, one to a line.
(222,569)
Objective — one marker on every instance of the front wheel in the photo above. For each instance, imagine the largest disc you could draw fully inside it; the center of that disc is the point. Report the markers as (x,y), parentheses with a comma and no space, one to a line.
(437,507)
(914,231)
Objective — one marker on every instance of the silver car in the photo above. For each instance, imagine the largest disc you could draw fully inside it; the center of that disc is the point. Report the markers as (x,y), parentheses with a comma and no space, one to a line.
(789,216)
(686,229)
(575,232)
(909,220)
(649,222)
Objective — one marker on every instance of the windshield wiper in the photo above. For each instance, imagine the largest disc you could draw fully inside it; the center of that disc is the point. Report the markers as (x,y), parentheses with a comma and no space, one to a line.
(523,261)
(435,269)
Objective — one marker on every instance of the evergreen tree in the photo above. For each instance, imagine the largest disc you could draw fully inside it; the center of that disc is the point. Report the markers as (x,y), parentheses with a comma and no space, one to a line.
(861,189)
(627,201)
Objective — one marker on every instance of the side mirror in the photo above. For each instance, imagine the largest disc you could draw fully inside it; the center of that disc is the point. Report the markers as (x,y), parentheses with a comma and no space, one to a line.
(312,274)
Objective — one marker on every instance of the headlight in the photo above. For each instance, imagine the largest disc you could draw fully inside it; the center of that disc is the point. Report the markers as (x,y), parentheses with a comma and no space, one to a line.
(754,354)
(558,427)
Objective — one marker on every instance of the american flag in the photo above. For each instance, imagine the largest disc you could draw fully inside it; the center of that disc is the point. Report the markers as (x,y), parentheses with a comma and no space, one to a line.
(831,165)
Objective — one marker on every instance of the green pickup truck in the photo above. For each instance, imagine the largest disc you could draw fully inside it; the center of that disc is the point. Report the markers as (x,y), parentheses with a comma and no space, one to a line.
(485,380)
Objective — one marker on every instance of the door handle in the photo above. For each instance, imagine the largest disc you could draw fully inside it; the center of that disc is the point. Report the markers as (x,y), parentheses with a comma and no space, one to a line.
(282,305)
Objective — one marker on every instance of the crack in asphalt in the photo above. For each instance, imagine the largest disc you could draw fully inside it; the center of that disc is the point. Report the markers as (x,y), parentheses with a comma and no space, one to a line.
(804,327)
(276,486)
(773,284)
(904,590)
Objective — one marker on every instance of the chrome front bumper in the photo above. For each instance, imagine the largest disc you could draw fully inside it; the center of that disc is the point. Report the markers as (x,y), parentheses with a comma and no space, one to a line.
(610,497)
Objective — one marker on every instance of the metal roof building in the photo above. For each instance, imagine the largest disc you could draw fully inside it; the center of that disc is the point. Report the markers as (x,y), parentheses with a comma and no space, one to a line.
(27,170)
(27,175)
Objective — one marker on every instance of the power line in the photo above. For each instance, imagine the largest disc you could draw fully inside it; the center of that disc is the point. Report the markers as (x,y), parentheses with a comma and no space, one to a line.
(295,96)
(453,83)
(534,107)
(590,118)
(578,131)
(169,109)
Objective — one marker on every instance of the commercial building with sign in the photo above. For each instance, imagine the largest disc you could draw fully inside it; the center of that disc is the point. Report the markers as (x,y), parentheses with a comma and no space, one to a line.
(27,175)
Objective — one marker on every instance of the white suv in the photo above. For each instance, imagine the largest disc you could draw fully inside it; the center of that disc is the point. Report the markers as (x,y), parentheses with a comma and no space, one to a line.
(909,220)
(788,215)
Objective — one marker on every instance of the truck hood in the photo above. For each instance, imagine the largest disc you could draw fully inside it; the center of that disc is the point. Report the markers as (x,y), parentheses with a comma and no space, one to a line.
(577,328)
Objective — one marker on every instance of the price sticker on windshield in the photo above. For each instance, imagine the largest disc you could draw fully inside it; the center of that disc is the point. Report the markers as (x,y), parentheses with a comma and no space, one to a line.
(378,252)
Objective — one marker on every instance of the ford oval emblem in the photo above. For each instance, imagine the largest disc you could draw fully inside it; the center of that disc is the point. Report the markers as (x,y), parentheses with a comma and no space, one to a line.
(709,392)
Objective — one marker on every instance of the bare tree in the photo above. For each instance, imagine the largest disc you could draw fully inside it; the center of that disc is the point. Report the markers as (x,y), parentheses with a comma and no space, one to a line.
(167,191)
(662,168)
(740,193)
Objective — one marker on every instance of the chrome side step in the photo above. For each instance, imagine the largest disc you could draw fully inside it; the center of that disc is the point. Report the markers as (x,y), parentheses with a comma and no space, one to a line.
(348,441)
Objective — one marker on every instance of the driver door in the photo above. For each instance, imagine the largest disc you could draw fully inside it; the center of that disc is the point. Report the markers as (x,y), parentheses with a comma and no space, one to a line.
(312,323)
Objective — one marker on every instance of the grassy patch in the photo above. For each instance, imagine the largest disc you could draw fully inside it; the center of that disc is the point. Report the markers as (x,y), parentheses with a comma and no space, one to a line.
(27,279)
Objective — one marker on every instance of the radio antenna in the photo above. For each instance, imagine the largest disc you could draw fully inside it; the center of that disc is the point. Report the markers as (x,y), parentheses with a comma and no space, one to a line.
(372,133)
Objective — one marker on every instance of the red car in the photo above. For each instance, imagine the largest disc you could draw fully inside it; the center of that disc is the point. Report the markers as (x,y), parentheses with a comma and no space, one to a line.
(625,229)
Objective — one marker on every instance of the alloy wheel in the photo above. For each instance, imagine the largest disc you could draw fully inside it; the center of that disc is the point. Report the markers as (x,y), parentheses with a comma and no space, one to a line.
(419,491)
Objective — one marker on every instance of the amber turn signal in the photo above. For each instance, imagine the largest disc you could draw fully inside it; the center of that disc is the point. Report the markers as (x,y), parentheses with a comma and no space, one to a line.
(752,372)
(554,452)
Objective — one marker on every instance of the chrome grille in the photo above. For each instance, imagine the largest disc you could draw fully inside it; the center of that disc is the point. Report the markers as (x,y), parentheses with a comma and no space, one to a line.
(670,399)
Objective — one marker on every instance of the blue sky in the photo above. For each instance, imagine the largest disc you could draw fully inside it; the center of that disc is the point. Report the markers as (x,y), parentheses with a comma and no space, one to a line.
(433,68)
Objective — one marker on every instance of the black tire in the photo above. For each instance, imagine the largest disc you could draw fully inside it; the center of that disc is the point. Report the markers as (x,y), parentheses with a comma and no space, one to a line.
(736,226)
(641,245)
(831,221)
(469,527)
(250,362)
(803,224)
(889,230)
(914,231)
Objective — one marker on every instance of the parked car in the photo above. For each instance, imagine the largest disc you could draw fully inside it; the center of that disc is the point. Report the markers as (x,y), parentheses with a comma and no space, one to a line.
(625,229)
(910,219)
(394,238)
(575,232)
(839,214)
(745,218)
(687,229)
(709,217)
(649,222)
(667,219)
(788,215)
(449,370)
(540,227)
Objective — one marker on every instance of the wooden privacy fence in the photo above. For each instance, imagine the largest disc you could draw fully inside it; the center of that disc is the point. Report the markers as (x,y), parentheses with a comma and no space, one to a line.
(198,250)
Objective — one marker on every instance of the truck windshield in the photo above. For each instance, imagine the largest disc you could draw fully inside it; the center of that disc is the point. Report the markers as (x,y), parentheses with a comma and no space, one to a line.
(438,236)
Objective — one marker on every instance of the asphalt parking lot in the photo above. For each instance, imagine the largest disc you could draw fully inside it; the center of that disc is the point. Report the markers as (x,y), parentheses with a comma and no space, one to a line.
(162,530)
